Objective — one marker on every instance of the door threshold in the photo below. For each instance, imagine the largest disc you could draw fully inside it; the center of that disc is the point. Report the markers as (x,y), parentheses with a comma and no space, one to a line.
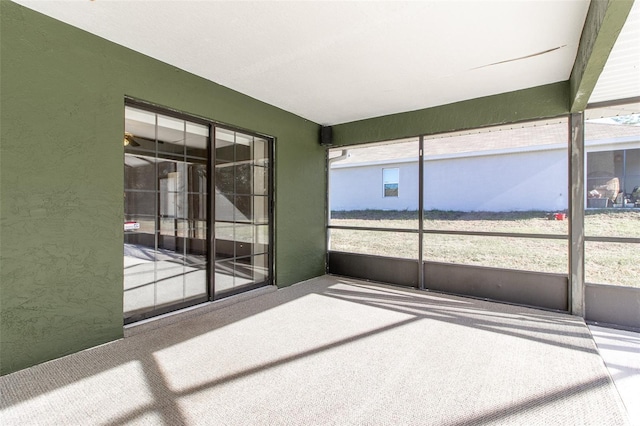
(192,311)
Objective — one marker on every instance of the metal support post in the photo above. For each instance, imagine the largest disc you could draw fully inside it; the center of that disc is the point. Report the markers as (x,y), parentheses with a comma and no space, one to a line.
(576,214)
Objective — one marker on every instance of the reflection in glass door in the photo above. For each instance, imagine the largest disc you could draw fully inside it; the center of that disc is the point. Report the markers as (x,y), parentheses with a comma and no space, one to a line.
(165,209)
(242,211)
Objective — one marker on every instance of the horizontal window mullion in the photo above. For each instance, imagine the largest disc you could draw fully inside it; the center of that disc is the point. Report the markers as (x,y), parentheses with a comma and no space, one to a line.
(365,228)
(143,191)
(498,234)
(613,240)
(472,233)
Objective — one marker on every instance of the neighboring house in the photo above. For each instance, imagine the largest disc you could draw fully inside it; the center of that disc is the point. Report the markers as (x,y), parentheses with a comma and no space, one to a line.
(507,170)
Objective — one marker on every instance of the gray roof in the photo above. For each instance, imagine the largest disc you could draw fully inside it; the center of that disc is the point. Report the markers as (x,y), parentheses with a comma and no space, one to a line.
(490,139)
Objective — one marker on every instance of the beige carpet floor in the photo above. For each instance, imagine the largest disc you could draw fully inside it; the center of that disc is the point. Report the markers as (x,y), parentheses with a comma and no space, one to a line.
(331,351)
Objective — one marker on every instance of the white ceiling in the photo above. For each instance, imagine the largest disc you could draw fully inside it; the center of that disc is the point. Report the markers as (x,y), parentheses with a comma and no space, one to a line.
(339,61)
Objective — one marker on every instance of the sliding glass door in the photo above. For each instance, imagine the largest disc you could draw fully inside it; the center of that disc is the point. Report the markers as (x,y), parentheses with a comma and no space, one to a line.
(173,255)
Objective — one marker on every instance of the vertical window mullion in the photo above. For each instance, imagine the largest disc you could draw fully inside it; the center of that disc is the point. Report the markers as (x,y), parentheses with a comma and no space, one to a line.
(157,216)
(211,206)
(186,210)
(421,213)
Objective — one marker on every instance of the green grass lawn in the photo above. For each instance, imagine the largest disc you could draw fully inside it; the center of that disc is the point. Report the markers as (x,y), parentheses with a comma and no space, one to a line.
(605,263)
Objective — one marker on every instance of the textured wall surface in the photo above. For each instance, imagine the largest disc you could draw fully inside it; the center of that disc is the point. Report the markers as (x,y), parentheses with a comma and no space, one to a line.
(61,177)
(528,104)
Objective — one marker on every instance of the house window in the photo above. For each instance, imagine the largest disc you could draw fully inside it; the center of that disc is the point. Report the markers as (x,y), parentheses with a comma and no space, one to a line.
(390,180)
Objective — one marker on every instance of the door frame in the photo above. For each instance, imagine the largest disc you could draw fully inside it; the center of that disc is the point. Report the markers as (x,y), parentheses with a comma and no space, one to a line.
(210,221)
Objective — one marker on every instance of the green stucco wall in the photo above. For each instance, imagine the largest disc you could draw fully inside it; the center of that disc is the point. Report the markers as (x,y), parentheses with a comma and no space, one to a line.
(528,104)
(62,96)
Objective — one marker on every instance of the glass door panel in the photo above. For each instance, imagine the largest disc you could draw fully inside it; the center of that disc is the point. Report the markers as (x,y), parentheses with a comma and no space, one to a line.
(165,191)
(242,203)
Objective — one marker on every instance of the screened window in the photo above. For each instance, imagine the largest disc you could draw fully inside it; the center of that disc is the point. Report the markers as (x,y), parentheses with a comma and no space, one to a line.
(356,196)
(494,197)
(612,187)
(500,195)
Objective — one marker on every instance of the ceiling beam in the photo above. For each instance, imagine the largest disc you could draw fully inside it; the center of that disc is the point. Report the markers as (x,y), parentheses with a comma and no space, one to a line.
(527,104)
(602,26)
